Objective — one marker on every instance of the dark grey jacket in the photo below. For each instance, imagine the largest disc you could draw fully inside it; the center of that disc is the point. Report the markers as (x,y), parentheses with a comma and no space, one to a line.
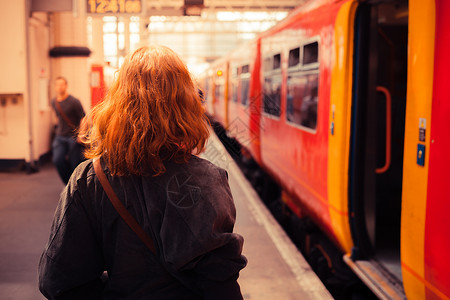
(188,212)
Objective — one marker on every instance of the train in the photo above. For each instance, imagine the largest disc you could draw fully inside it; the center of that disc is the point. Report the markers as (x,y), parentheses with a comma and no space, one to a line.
(345,104)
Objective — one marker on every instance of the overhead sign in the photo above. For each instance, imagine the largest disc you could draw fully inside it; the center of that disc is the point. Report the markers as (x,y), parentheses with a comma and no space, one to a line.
(114,7)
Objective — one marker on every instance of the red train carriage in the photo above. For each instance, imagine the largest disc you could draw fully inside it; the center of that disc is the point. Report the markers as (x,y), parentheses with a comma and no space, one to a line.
(218,101)
(238,78)
(345,104)
(294,74)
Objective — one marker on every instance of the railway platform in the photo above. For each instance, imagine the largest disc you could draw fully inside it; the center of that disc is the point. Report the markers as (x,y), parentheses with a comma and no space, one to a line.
(275,270)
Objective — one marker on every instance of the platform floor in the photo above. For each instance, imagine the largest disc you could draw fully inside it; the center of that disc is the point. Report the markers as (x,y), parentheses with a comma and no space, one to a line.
(276,270)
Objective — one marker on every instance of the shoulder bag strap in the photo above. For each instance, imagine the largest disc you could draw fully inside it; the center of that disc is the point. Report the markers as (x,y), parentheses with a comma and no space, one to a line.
(123,212)
(65,117)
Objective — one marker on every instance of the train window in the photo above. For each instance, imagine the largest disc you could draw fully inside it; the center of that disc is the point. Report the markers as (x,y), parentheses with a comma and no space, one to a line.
(219,86)
(302,99)
(272,95)
(210,91)
(245,84)
(276,61)
(234,71)
(234,90)
(310,53)
(294,57)
(219,92)
(233,84)
(272,85)
(245,87)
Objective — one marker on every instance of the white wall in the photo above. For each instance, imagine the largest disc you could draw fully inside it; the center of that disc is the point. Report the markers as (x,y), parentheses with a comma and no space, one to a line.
(13,130)
(12,49)
(13,81)
(27,83)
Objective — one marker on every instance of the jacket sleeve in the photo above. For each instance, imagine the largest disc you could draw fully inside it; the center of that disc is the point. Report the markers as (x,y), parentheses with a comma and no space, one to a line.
(71,264)
(198,241)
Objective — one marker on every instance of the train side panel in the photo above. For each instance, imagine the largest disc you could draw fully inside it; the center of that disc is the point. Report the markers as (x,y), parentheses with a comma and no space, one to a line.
(243,106)
(220,91)
(339,124)
(208,91)
(311,158)
(294,144)
(415,180)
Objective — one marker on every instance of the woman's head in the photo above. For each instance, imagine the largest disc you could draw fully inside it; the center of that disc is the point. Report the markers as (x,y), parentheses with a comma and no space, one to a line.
(151,113)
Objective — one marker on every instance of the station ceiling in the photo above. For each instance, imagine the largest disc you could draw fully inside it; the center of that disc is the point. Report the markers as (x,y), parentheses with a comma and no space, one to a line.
(178,7)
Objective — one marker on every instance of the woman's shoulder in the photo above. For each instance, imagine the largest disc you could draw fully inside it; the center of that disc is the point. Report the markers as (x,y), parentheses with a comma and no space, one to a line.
(197,176)
(202,168)
(82,173)
(199,193)
(84,169)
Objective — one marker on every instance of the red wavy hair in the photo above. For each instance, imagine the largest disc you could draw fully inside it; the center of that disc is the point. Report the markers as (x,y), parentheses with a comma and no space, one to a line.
(151,113)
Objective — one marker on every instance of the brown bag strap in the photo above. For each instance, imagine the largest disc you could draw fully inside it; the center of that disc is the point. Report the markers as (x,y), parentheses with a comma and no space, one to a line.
(123,212)
(65,117)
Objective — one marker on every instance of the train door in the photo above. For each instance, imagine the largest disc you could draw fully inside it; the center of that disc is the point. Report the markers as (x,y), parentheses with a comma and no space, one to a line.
(377,134)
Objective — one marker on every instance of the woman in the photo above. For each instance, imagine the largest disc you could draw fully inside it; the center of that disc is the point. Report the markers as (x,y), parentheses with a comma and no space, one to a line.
(144,134)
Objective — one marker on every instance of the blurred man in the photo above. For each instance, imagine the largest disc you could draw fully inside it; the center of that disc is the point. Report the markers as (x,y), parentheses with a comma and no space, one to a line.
(67,153)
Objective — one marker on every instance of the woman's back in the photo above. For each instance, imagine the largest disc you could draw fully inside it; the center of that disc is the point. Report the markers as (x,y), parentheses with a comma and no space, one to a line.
(189,213)
(144,134)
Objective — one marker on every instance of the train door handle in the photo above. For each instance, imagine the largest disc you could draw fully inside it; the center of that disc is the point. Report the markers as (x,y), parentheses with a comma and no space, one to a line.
(387,162)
